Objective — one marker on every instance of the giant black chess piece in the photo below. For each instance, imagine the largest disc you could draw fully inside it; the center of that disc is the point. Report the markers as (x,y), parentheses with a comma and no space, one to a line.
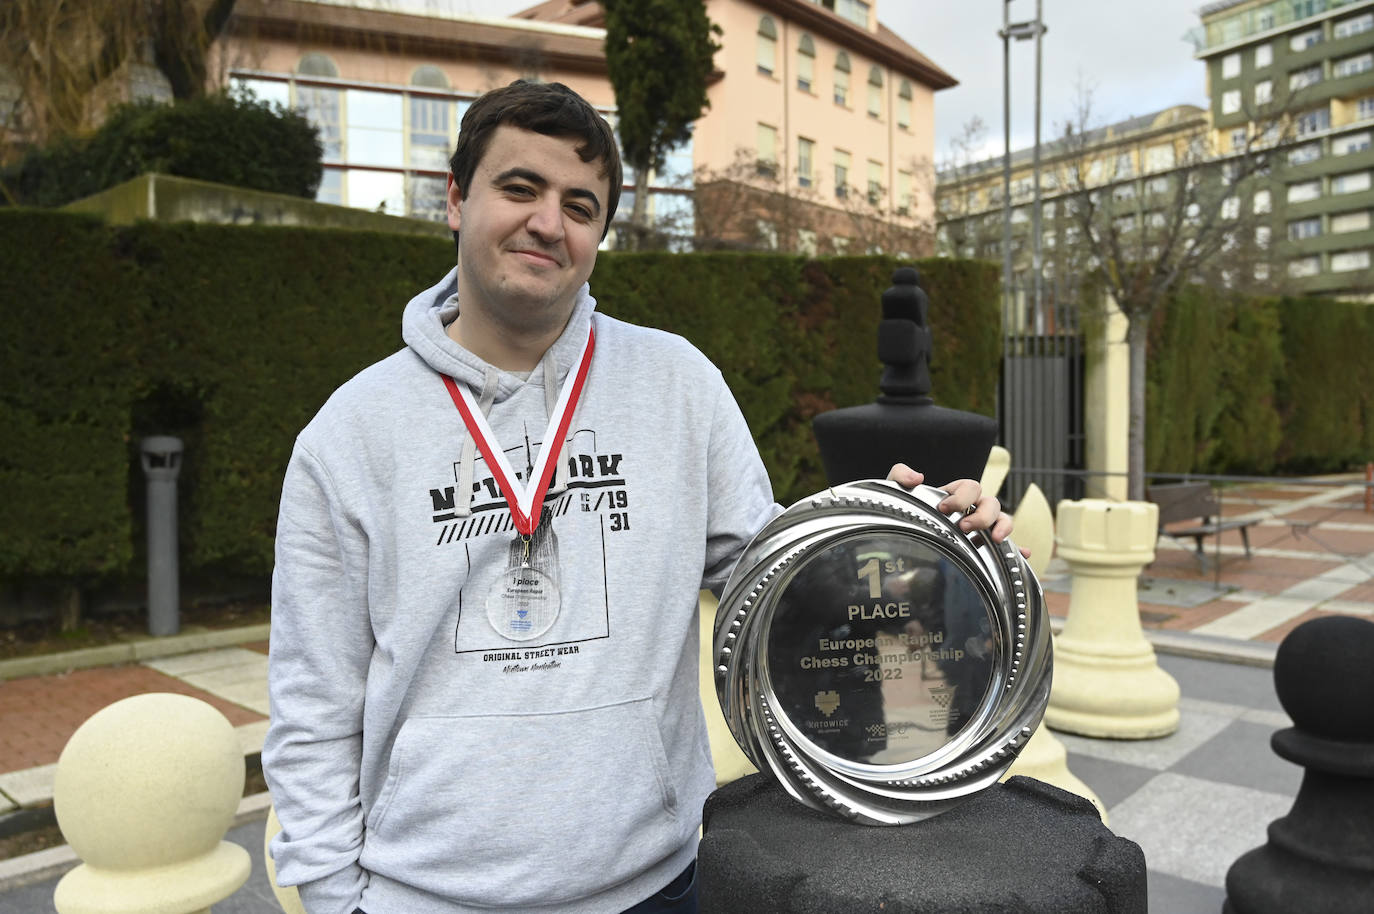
(904,424)
(1320,857)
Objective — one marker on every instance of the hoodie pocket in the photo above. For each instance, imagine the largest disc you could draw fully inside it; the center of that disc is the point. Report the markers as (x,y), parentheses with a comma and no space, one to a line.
(516,810)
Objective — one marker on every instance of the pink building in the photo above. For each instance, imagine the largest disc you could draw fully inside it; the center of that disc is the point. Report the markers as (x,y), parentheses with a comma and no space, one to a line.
(820,134)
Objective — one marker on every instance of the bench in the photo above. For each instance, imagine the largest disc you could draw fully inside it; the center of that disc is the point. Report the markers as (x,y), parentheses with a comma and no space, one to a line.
(1193,501)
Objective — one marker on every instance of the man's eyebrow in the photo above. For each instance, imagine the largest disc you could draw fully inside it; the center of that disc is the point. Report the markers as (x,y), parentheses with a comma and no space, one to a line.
(539,180)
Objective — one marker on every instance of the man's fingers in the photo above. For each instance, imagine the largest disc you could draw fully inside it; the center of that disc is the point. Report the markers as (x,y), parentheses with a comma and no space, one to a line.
(905,476)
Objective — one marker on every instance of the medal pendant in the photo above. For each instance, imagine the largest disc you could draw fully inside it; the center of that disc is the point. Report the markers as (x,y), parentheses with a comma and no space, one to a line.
(524,603)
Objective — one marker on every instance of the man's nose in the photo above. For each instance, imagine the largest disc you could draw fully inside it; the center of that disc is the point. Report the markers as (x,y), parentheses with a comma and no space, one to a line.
(546,220)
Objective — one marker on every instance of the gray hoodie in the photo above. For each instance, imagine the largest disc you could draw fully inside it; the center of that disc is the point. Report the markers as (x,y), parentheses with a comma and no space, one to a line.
(422,759)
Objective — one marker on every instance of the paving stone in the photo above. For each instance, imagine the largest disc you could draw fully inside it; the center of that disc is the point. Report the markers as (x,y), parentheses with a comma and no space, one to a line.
(1194,828)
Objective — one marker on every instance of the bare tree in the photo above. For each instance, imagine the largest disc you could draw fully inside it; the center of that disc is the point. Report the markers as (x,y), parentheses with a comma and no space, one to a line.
(752,204)
(964,230)
(59,56)
(1142,219)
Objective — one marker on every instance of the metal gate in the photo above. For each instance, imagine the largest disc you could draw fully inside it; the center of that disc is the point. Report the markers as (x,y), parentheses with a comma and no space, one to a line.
(1040,401)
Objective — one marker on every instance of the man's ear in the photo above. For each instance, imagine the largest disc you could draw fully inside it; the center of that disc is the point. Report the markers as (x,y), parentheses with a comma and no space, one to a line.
(455,203)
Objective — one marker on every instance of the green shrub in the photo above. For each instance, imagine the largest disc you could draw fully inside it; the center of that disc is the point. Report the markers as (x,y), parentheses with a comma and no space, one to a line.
(223,138)
(232,338)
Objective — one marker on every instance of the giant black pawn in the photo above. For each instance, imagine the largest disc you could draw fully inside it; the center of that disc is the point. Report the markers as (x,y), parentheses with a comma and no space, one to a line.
(1320,857)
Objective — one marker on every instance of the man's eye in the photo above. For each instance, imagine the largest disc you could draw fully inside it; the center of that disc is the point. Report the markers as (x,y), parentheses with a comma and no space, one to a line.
(519,190)
(580,211)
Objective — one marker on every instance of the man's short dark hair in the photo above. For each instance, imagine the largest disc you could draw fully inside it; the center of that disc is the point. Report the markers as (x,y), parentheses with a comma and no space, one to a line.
(548,108)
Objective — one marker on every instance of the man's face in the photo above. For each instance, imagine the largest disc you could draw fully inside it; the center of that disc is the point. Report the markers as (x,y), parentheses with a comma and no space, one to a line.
(528,229)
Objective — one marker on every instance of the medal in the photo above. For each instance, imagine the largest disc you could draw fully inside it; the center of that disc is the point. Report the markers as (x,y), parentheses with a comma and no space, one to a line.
(524,602)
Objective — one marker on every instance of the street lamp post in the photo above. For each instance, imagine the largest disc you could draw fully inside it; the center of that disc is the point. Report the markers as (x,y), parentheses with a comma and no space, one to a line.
(1020,31)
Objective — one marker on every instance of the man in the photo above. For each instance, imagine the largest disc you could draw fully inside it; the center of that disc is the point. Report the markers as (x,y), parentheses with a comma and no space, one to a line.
(484,646)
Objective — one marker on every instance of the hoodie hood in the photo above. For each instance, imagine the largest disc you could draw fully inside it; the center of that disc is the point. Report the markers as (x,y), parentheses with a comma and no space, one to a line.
(430,312)
(423,329)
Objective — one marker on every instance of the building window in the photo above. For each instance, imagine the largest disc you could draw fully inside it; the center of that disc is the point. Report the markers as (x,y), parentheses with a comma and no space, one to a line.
(1351,142)
(806,62)
(1125,165)
(875,183)
(375,134)
(841,173)
(1264,92)
(323,108)
(1301,79)
(427,197)
(904,181)
(1299,229)
(1230,208)
(1351,183)
(842,78)
(1350,66)
(767,145)
(1314,121)
(806,150)
(1303,191)
(1353,26)
(806,242)
(317,64)
(331,187)
(856,11)
(1307,152)
(766,48)
(1158,158)
(1364,108)
(1345,261)
(1350,222)
(767,233)
(429,76)
(272,91)
(1305,266)
(1263,202)
(430,140)
(904,104)
(1262,235)
(875,92)
(378,191)
(1264,55)
(1238,137)
(1230,101)
(1230,66)
(1304,40)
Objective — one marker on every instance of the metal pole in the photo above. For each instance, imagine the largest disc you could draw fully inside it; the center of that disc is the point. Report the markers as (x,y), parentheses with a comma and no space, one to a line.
(1036,262)
(161,455)
(1006,154)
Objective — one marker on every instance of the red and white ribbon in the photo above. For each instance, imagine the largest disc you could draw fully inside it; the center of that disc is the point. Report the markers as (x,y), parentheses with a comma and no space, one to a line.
(527,501)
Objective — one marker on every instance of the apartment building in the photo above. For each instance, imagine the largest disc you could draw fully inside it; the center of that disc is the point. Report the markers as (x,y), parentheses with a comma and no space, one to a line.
(1131,168)
(387,85)
(1312,61)
(820,134)
(1293,80)
(819,137)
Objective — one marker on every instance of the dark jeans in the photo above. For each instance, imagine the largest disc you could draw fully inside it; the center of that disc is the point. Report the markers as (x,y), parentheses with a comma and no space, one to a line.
(677,897)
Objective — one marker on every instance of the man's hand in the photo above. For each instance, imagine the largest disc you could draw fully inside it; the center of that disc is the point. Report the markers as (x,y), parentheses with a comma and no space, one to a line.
(964,494)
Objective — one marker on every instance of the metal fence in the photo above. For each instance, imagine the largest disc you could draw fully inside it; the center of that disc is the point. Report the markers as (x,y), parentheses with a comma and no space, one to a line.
(1040,400)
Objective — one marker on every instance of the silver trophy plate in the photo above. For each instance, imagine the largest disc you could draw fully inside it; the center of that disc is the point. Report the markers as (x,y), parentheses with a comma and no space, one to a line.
(879,661)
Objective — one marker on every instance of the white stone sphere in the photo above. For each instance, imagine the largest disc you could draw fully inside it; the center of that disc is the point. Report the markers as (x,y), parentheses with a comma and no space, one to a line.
(144,792)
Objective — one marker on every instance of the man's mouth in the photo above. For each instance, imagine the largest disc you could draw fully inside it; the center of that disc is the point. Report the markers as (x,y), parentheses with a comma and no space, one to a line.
(537,256)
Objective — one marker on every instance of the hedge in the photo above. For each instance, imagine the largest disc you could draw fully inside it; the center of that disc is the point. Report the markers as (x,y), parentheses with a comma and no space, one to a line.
(232,337)
(1259,385)
(223,138)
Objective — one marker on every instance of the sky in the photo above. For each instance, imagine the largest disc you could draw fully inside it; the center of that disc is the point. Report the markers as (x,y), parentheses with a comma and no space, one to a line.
(1129,54)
